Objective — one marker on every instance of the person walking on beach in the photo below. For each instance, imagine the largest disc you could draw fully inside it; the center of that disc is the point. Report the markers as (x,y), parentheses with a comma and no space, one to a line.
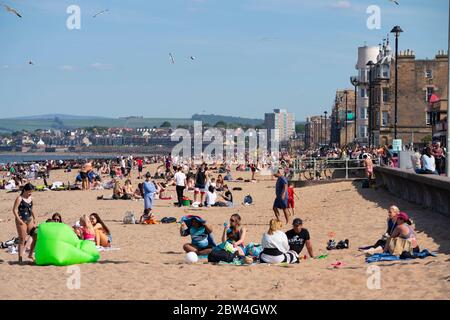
(368,164)
(180,181)
(25,220)
(140,164)
(281,191)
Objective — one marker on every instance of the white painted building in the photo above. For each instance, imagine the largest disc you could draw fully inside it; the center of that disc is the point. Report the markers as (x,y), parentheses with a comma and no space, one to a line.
(365,54)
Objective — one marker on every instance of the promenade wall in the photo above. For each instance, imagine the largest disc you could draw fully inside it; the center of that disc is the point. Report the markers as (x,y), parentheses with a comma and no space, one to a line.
(430,191)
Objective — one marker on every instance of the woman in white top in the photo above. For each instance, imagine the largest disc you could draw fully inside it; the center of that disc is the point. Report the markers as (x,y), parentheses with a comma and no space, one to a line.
(275,245)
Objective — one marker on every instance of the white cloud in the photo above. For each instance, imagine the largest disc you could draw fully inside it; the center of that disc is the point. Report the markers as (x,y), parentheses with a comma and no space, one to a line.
(67,68)
(101,66)
(343,4)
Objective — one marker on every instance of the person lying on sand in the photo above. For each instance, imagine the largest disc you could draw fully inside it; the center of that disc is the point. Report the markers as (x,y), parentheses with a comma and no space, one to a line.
(199,233)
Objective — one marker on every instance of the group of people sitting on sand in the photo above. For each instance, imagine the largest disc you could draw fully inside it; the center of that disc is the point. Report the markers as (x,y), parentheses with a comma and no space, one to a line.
(400,227)
(205,188)
(276,246)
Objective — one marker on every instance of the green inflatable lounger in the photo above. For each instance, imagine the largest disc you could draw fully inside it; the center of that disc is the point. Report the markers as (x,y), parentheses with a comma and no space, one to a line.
(57,244)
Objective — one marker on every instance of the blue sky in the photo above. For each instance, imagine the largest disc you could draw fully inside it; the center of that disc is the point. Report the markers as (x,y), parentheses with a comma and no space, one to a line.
(250,55)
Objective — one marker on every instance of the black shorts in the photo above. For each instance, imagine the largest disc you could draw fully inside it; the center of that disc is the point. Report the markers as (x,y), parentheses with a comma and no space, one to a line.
(83,175)
(140,168)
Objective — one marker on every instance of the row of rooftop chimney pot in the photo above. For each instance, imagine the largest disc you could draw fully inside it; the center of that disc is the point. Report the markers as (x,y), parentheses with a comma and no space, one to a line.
(409,52)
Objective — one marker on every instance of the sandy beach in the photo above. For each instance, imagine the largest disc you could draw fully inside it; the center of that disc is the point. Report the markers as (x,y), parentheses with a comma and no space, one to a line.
(150,263)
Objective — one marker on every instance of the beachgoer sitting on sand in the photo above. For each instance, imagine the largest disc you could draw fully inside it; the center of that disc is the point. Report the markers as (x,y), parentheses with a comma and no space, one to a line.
(163,195)
(190,182)
(235,234)
(102,234)
(228,176)
(85,230)
(298,237)
(199,233)
(56,217)
(227,196)
(128,190)
(275,245)
(117,191)
(211,197)
(405,231)
(148,215)
(391,222)
(219,183)
(139,192)
(97,185)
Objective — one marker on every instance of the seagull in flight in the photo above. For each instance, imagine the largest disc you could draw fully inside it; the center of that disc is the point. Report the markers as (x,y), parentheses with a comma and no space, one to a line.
(171,58)
(31,62)
(99,13)
(192,58)
(395,1)
(12,10)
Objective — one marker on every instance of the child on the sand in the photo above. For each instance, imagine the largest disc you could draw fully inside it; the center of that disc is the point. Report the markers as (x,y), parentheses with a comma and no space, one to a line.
(291,194)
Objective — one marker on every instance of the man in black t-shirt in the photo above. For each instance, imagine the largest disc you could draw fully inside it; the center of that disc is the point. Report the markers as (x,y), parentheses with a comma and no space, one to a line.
(299,237)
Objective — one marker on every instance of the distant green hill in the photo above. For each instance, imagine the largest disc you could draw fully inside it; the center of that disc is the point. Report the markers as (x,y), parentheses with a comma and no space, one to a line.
(67,123)
(212,119)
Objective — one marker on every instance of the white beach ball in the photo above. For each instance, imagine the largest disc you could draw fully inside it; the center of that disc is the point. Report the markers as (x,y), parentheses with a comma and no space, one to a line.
(191,257)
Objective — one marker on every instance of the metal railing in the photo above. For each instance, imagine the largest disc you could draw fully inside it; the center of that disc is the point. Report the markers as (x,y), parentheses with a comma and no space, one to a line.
(320,169)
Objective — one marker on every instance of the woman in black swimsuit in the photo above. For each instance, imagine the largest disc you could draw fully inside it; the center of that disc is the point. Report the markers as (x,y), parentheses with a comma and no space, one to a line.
(25,219)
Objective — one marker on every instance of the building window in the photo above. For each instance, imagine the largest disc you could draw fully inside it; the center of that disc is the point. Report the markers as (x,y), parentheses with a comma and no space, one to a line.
(385,94)
(363,92)
(428,93)
(362,131)
(362,113)
(429,74)
(385,118)
(428,118)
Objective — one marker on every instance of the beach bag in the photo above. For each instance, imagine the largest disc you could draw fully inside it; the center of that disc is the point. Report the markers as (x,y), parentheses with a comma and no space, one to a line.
(129,218)
(365,184)
(248,199)
(168,220)
(398,245)
(253,249)
(221,255)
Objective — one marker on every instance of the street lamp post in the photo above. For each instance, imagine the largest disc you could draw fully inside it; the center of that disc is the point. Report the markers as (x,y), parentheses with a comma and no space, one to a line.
(325,126)
(321,135)
(396,30)
(346,116)
(370,64)
(355,83)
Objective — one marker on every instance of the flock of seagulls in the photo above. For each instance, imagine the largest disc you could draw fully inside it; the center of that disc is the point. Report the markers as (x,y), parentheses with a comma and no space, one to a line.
(172,59)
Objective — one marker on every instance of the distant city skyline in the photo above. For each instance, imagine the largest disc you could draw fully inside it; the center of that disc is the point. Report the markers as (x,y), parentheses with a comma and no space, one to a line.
(235,58)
